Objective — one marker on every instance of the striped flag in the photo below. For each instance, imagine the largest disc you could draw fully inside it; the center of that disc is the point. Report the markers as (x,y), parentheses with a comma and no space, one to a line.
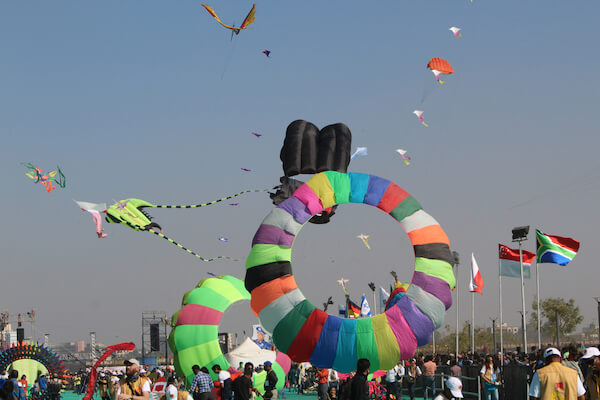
(510,264)
(352,309)
(476,284)
(555,249)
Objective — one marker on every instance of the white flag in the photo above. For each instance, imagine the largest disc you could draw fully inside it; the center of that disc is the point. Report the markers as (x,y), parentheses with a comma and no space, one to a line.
(383,297)
(365,310)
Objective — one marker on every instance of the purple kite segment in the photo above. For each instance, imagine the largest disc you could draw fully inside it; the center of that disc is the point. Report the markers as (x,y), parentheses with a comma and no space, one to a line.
(419,323)
(269,234)
(196,314)
(296,209)
(307,196)
(436,286)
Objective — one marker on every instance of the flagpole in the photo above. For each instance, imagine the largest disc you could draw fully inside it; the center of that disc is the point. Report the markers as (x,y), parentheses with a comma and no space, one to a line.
(456,262)
(501,323)
(539,315)
(473,323)
(523,316)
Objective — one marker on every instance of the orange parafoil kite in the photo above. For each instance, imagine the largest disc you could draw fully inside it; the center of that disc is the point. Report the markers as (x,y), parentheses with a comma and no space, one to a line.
(247,21)
(441,65)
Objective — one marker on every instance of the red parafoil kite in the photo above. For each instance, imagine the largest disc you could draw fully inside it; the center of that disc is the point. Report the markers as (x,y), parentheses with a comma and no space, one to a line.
(440,66)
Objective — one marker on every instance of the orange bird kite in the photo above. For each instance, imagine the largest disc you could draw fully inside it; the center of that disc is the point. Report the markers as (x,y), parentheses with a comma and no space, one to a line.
(247,21)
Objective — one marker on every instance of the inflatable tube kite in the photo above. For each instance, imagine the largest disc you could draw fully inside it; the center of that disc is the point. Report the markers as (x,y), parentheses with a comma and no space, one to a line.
(306,333)
(194,338)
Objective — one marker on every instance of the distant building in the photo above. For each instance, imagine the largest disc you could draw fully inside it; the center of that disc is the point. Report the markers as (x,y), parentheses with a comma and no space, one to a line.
(80,346)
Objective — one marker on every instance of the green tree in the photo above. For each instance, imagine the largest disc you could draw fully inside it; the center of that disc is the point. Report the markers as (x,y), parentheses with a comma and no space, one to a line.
(567,312)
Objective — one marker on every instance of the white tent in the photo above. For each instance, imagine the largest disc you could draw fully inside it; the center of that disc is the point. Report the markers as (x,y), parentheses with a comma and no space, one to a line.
(249,351)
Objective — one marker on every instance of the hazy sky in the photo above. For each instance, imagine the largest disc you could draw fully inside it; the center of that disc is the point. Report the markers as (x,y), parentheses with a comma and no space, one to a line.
(153,100)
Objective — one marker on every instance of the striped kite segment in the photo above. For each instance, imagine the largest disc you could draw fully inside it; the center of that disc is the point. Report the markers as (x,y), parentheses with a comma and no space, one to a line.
(308,334)
(194,337)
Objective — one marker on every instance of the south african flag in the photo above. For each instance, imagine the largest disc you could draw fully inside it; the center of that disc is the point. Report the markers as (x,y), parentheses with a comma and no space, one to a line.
(555,249)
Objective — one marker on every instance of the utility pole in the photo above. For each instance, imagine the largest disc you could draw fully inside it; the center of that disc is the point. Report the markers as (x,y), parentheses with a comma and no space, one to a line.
(598,302)
(494,333)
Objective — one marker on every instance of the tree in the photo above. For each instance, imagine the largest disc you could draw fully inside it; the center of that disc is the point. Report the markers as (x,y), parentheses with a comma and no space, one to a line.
(568,315)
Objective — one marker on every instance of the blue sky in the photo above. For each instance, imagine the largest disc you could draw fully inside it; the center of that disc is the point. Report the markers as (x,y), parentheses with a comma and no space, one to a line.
(153,100)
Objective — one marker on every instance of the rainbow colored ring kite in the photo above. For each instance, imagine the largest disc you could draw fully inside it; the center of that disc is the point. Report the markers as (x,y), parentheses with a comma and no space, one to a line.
(194,337)
(306,333)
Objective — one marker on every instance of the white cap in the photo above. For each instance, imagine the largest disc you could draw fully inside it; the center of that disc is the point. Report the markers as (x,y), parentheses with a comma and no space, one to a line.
(591,352)
(455,386)
(159,372)
(551,351)
(142,371)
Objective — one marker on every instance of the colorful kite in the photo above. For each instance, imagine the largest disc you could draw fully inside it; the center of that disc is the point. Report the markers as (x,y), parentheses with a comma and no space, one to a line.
(194,335)
(38,176)
(94,209)
(360,152)
(365,240)
(419,115)
(247,21)
(405,158)
(267,53)
(455,31)
(440,66)
(342,282)
(306,333)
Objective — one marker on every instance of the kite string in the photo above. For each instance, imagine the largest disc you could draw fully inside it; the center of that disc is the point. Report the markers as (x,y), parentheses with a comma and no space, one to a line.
(190,251)
(212,202)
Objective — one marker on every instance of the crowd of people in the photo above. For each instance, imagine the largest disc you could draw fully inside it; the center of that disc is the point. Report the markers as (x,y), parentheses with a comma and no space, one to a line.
(14,388)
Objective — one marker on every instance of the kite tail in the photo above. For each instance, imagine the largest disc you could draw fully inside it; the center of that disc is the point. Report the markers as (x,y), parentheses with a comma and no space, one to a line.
(94,372)
(190,251)
(210,203)
(442,82)
(425,124)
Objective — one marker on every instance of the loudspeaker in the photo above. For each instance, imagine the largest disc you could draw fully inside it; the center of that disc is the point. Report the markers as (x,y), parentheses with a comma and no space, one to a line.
(154,337)
(20,334)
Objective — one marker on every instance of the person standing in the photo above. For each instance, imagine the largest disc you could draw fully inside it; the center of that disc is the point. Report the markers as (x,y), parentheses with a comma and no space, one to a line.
(555,381)
(24,384)
(242,386)
(413,372)
(592,381)
(202,384)
(171,392)
(131,387)
(224,382)
(333,381)
(452,390)
(323,386)
(429,368)
(18,392)
(455,369)
(393,379)
(270,382)
(490,374)
(359,389)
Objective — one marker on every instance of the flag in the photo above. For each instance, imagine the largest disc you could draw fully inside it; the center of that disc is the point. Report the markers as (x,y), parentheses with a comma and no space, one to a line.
(342,311)
(383,297)
(510,264)
(476,284)
(365,310)
(353,309)
(555,249)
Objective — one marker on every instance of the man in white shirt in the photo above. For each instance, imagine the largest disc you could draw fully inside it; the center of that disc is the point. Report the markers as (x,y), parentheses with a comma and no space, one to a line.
(392,379)
(171,391)
(224,382)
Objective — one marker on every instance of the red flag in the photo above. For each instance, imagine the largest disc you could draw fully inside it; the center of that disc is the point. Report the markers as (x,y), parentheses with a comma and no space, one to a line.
(94,372)
(476,284)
